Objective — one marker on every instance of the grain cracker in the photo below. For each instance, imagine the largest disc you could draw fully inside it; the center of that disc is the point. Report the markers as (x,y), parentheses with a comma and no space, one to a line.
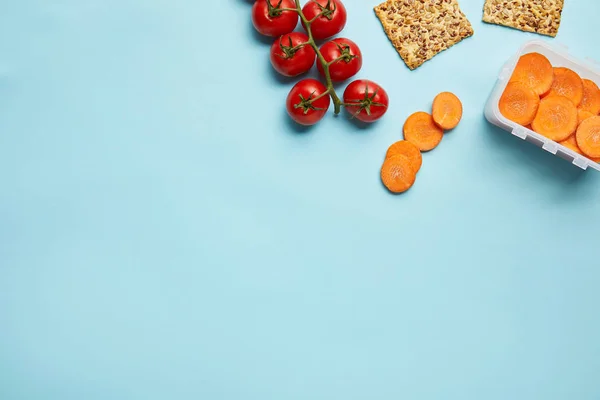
(420,29)
(539,16)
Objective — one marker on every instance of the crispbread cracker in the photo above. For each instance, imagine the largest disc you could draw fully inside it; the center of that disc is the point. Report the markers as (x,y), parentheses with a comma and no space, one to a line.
(540,16)
(420,29)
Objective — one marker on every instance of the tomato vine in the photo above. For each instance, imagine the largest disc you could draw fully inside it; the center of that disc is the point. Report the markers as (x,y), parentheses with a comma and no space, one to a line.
(325,10)
(294,53)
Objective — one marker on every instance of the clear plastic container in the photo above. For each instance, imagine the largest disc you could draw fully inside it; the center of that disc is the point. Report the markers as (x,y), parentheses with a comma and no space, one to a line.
(559,57)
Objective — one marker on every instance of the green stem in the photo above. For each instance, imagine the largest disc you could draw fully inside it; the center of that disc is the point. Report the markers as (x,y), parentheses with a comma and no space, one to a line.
(337,103)
(340,58)
(325,93)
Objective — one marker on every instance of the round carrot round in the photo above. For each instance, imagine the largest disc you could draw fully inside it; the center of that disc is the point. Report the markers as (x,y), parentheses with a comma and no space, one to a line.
(588,137)
(571,143)
(447,110)
(557,118)
(406,148)
(582,115)
(397,173)
(420,129)
(568,84)
(519,103)
(571,140)
(591,97)
(534,71)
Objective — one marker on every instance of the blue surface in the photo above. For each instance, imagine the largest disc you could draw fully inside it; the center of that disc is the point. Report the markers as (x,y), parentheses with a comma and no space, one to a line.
(167,233)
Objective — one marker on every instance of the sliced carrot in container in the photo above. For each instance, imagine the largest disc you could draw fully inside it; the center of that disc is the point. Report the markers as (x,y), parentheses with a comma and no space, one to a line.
(397,174)
(557,118)
(406,148)
(588,137)
(571,143)
(534,71)
(568,84)
(420,129)
(591,97)
(582,115)
(519,103)
(447,110)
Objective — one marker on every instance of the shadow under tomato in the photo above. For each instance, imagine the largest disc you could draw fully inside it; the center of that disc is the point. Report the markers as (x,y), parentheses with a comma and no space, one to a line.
(284,80)
(354,122)
(267,40)
(295,127)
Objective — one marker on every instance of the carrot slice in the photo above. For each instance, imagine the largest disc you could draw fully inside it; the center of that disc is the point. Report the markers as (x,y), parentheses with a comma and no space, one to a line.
(556,118)
(582,115)
(534,71)
(588,137)
(447,110)
(571,143)
(409,150)
(591,97)
(568,84)
(397,174)
(420,129)
(519,103)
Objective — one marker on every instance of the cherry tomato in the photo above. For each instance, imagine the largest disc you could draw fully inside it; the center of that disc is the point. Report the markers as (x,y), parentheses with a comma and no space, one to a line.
(289,58)
(301,104)
(269,19)
(348,56)
(366,100)
(332,17)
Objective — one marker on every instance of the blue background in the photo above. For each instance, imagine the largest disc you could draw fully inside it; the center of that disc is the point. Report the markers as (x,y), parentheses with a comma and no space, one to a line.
(167,233)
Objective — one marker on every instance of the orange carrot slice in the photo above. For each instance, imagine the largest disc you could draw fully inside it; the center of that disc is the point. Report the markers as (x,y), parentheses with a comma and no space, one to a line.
(591,97)
(568,84)
(397,174)
(582,115)
(588,137)
(534,71)
(420,129)
(556,118)
(447,110)
(406,148)
(571,143)
(519,103)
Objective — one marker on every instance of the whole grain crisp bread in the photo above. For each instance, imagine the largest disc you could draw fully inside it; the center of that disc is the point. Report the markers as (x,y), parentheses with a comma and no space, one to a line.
(420,29)
(540,16)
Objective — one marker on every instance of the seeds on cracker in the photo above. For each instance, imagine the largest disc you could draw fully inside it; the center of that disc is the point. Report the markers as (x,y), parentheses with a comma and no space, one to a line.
(420,29)
(539,16)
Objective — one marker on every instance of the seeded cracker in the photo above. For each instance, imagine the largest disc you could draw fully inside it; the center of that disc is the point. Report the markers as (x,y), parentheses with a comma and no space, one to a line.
(540,16)
(420,29)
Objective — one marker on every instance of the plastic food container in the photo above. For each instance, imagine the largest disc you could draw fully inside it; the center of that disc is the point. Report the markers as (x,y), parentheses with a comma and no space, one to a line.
(559,57)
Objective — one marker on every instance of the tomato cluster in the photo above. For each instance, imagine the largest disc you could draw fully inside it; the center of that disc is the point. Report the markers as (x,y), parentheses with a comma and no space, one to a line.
(294,53)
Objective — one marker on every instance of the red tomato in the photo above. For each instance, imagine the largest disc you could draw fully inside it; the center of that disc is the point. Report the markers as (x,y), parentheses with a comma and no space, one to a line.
(366,100)
(289,58)
(348,56)
(301,104)
(269,19)
(332,17)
